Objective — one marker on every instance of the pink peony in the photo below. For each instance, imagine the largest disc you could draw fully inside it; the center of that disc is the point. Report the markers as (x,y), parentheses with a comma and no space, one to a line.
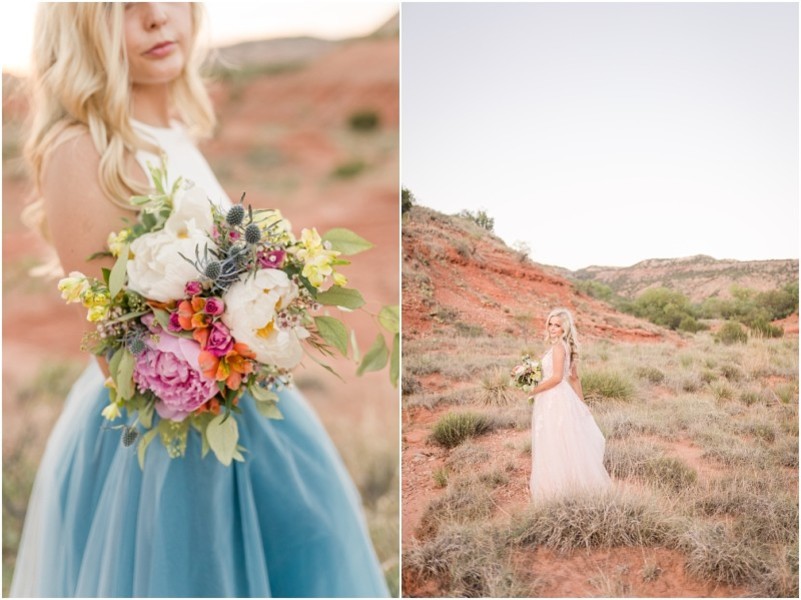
(175,323)
(169,368)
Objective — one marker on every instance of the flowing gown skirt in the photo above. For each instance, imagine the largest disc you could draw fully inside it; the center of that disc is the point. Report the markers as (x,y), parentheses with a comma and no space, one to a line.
(286,522)
(567,446)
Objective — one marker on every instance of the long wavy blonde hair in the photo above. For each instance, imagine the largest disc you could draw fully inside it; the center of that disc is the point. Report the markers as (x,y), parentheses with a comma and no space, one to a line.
(569,333)
(80,83)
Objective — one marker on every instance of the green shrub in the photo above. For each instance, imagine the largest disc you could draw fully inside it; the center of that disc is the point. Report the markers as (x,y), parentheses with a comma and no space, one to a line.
(364,120)
(732,333)
(762,327)
(651,374)
(604,384)
(407,200)
(480,218)
(665,307)
(454,428)
(349,169)
(595,289)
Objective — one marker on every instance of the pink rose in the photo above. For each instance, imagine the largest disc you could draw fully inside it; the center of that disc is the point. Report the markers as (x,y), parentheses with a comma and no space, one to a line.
(169,368)
(175,323)
(192,288)
(220,341)
(272,259)
(214,306)
(234,235)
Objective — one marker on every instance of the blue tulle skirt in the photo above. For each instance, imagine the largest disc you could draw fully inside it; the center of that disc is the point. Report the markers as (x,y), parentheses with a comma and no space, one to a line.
(286,522)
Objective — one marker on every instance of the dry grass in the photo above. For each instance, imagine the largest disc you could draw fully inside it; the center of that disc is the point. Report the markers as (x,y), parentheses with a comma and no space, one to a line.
(731,508)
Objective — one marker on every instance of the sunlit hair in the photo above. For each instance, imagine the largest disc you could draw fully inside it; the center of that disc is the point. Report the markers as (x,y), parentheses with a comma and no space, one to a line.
(569,333)
(80,83)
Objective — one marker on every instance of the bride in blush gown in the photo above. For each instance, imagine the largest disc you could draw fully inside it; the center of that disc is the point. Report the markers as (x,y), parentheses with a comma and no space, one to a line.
(117,85)
(567,446)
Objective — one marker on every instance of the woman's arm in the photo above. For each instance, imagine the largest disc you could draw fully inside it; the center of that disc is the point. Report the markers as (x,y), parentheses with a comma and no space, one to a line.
(79,215)
(558,367)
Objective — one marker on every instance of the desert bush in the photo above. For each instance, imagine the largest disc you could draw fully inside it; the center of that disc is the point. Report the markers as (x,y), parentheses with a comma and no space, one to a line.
(651,374)
(605,384)
(496,389)
(410,385)
(466,455)
(454,428)
(714,552)
(364,120)
(646,461)
(731,372)
(349,169)
(440,477)
(762,327)
(464,500)
(468,329)
(721,390)
(480,218)
(407,200)
(595,289)
(593,520)
(732,333)
(665,307)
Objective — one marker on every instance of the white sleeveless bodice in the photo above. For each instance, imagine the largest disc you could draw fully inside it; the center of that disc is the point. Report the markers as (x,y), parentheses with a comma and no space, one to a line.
(183,159)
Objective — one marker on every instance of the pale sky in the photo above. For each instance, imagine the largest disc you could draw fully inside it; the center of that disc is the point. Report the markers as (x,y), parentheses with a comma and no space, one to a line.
(229,21)
(608,133)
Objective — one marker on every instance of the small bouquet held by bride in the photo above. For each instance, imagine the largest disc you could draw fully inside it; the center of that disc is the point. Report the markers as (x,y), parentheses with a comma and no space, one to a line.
(203,305)
(527,375)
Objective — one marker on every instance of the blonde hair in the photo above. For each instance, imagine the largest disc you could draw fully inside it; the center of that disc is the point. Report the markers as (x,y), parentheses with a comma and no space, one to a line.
(569,333)
(80,83)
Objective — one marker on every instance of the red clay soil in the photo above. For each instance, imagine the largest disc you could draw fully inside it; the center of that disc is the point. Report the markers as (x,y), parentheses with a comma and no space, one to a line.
(492,287)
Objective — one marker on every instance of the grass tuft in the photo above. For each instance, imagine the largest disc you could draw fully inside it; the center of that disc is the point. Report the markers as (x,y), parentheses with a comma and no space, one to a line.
(454,428)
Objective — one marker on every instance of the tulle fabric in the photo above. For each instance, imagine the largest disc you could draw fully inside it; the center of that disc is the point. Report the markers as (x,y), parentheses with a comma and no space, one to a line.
(286,522)
(567,445)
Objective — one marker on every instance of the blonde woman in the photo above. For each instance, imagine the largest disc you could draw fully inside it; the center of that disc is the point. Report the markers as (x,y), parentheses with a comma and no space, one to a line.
(115,84)
(567,446)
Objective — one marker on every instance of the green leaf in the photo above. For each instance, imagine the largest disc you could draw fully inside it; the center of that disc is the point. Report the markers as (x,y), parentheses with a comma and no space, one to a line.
(389,317)
(162,317)
(345,241)
(270,410)
(334,332)
(262,394)
(146,416)
(204,450)
(114,364)
(116,279)
(376,357)
(144,442)
(354,344)
(340,296)
(394,361)
(223,434)
(124,381)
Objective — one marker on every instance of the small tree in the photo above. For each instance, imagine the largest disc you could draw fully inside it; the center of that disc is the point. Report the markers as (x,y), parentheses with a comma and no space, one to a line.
(480,218)
(407,200)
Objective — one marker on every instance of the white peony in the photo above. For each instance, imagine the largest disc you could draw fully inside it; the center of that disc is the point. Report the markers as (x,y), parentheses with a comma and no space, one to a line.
(156,269)
(251,307)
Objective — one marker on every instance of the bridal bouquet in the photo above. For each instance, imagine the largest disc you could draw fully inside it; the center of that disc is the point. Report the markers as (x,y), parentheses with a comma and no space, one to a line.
(203,305)
(527,374)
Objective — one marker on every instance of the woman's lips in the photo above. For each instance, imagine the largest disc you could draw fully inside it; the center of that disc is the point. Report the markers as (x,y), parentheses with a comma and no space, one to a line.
(160,50)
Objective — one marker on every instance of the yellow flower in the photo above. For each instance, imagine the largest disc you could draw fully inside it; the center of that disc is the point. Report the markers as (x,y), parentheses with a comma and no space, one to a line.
(116,241)
(112,411)
(97,313)
(317,258)
(340,280)
(73,286)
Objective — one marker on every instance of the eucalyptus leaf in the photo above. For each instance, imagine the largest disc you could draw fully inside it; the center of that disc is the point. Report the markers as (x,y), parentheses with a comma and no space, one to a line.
(334,332)
(144,442)
(345,241)
(116,279)
(389,317)
(262,394)
(270,410)
(394,361)
(376,357)
(340,296)
(146,416)
(354,344)
(124,381)
(223,435)
(114,364)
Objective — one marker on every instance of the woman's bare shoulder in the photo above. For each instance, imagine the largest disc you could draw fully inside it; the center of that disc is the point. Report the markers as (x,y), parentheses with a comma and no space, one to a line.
(79,214)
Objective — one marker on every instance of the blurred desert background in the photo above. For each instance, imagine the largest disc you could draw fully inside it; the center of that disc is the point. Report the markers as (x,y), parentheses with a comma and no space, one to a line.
(690,367)
(306,125)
